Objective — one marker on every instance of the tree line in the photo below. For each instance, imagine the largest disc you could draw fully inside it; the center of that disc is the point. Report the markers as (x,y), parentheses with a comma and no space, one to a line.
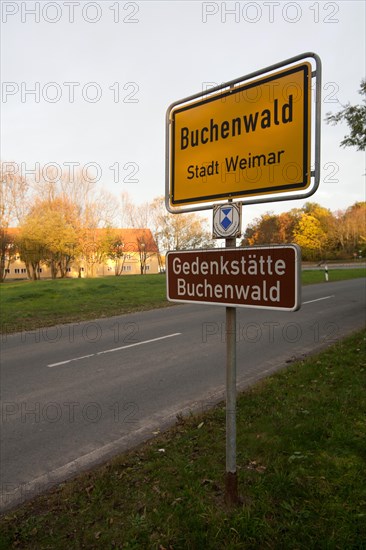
(63,220)
(321,234)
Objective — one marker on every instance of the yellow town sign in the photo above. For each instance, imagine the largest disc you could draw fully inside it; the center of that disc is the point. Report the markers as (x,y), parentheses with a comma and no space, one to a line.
(249,140)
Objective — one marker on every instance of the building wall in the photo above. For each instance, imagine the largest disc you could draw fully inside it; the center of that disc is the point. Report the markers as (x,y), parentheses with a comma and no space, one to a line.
(131,266)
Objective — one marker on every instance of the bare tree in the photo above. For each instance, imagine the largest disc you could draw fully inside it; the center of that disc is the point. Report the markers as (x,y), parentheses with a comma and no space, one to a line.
(146,248)
(13,204)
(135,216)
(179,231)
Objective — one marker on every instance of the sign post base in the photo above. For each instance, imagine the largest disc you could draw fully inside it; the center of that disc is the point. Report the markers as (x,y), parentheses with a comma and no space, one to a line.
(231,489)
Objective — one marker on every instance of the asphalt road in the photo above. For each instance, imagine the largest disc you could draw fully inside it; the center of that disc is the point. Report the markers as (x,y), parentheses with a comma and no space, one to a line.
(74,395)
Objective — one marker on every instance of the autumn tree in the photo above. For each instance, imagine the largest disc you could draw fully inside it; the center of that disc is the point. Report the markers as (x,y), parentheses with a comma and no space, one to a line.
(93,247)
(356,215)
(355,118)
(116,252)
(287,222)
(264,230)
(7,251)
(326,223)
(350,230)
(310,237)
(94,209)
(31,246)
(48,235)
(312,227)
(13,204)
(271,229)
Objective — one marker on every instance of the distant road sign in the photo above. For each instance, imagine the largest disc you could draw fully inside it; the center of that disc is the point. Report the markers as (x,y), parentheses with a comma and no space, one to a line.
(257,277)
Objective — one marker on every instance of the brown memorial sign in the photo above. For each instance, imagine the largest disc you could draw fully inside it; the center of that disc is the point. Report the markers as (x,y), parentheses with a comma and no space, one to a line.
(265,277)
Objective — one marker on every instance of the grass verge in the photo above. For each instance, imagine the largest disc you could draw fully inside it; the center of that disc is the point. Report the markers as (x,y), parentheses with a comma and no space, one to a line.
(27,305)
(313,276)
(301,450)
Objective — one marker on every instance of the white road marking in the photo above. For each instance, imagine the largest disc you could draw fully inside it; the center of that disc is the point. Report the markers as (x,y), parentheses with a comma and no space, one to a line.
(139,343)
(113,349)
(318,299)
(70,360)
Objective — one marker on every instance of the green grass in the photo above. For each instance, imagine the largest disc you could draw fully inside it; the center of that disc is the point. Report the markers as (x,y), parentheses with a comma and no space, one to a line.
(318,276)
(27,305)
(301,450)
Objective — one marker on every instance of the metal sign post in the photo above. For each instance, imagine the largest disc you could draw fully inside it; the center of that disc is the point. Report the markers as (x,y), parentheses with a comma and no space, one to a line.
(226,145)
(231,480)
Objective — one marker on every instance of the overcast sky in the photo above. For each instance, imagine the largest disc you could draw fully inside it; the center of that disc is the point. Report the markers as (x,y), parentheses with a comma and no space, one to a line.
(90,82)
